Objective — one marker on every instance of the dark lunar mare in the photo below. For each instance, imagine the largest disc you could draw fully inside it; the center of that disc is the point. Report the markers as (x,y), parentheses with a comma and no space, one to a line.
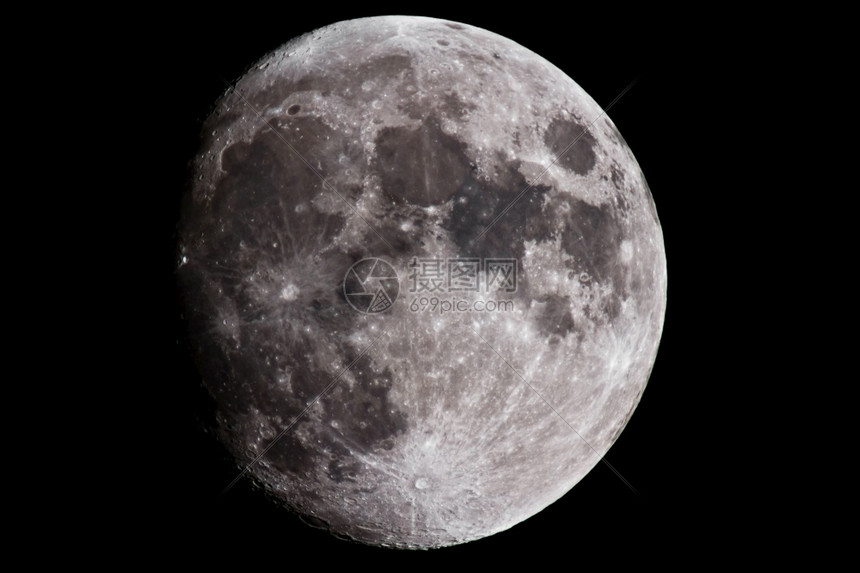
(248,231)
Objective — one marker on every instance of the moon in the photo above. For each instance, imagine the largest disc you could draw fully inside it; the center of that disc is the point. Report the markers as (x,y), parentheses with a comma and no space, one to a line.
(424,276)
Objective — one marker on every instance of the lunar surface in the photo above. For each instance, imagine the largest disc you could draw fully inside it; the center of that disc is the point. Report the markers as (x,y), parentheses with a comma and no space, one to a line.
(424,276)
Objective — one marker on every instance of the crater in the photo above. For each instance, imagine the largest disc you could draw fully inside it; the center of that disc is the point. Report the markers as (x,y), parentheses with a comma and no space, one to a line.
(572,144)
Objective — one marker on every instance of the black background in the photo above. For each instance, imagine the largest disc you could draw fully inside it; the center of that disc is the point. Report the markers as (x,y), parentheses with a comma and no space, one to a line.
(685,450)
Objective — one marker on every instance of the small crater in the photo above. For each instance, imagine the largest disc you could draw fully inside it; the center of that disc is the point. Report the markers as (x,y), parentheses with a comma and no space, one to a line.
(290,292)
(421,483)
(442,42)
(294,109)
